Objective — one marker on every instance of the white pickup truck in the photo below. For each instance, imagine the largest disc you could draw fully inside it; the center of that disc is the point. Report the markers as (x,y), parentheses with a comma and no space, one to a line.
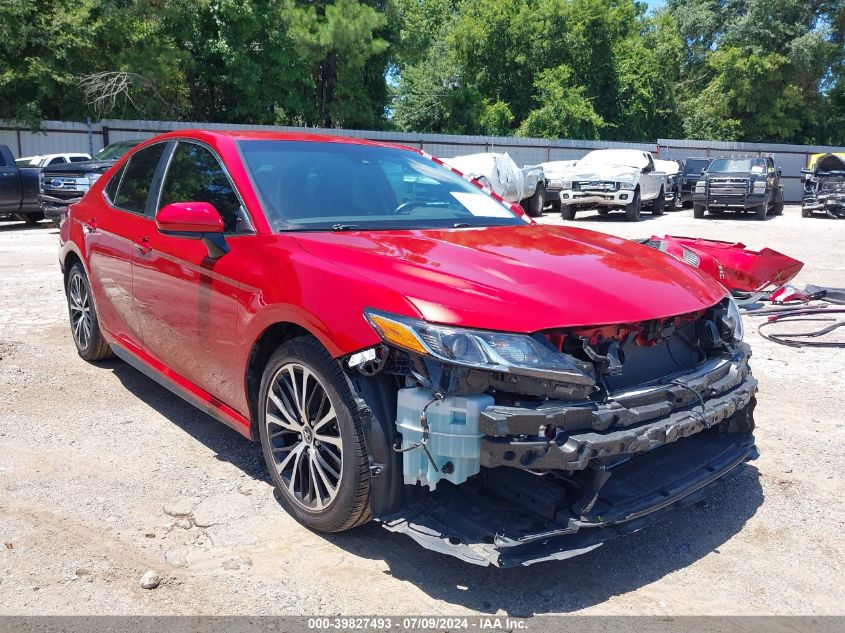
(614,179)
(499,172)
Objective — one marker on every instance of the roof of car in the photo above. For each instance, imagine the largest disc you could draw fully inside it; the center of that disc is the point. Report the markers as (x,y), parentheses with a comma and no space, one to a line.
(257,135)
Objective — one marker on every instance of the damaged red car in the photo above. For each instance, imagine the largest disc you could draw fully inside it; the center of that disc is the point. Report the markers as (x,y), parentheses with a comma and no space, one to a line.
(408,349)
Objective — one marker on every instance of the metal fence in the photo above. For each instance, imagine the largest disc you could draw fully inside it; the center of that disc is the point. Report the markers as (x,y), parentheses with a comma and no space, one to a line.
(63,136)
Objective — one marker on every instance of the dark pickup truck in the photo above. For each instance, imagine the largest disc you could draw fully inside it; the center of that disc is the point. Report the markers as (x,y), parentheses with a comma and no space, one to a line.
(62,185)
(742,185)
(692,170)
(18,190)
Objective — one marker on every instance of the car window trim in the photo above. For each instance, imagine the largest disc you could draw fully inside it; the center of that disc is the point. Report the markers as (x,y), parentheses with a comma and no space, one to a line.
(124,167)
(157,207)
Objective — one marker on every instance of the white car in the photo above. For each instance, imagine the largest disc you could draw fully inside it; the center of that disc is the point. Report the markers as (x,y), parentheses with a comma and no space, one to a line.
(51,159)
(614,179)
(672,191)
(503,177)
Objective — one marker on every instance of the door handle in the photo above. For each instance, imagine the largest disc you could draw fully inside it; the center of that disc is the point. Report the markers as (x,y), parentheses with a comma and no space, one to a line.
(142,244)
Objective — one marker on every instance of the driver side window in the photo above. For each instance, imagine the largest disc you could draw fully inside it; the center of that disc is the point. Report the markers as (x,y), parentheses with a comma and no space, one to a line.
(195,175)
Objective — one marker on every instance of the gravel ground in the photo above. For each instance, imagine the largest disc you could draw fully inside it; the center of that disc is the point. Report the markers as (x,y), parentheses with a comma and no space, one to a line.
(104,475)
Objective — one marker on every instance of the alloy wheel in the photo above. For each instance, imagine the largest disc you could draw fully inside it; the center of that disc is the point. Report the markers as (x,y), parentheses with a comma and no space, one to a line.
(80,310)
(305,437)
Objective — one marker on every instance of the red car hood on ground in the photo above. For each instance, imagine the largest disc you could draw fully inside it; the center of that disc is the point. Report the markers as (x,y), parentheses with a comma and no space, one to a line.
(520,278)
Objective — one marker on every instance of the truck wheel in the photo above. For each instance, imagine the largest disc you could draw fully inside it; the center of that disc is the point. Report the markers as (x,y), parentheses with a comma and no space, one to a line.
(761,211)
(659,203)
(567,211)
(84,325)
(806,213)
(698,211)
(534,204)
(31,219)
(632,210)
(603,210)
(312,438)
(778,210)
(673,206)
(555,206)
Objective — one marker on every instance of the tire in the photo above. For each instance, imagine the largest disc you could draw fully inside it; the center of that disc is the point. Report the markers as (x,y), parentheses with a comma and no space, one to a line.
(761,211)
(659,204)
(632,210)
(698,211)
(602,210)
(534,204)
(327,488)
(555,206)
(778,209)
(673,206)
(84,325)
(32,219)
(806,213)
(567,211)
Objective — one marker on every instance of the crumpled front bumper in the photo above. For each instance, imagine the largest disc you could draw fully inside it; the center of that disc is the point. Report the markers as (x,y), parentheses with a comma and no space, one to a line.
(618,198)
(609,469)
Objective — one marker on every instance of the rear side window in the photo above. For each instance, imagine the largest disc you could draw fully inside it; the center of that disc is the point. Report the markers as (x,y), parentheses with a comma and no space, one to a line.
(56,161)
(111,187)
(138,175)
(195,175)
(78,159)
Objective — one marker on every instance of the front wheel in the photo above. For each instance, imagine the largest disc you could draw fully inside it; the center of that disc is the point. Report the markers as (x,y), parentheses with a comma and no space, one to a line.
(761,211)
(632,211)
(84,324)
(567,211)
(659,203)
(698,211)
(312,438)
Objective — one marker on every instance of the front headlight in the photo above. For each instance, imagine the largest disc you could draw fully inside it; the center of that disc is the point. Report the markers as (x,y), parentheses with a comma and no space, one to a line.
(736,318)
(759,186)
(628,185)
(566,184)
(92,177)
(699,186)
(481,349)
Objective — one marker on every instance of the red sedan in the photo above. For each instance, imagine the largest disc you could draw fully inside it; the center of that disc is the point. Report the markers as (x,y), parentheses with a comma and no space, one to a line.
(408,348)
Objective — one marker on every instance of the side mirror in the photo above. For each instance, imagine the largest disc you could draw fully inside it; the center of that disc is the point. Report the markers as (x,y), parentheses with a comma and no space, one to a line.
(194,221)
(779,171)
(805,170)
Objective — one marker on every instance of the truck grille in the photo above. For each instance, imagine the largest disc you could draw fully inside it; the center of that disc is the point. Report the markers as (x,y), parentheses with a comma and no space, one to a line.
(596,185)
(728,186)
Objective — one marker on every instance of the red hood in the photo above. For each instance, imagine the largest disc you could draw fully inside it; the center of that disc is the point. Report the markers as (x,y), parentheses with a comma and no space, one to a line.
(525,278)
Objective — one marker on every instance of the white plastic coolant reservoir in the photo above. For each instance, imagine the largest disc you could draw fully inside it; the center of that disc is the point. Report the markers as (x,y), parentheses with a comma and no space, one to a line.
(454,441)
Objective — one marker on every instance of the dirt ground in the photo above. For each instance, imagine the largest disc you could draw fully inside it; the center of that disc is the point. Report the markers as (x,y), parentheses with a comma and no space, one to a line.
(105,475)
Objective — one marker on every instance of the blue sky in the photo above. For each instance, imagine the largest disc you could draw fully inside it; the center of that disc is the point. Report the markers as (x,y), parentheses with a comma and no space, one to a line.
(655,4)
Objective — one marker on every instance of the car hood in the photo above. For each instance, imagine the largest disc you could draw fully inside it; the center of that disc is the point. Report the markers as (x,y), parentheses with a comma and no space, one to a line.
(601,172)
(731,174)
(100,166)
(520,278)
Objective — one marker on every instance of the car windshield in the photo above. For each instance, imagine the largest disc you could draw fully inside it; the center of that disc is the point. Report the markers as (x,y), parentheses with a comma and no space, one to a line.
(338,186)
(696,165)
(743,165)
(115,150)
(25,162)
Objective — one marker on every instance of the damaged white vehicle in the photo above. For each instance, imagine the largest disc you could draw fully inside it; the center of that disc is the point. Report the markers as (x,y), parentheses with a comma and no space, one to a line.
(501,175)
(614,179)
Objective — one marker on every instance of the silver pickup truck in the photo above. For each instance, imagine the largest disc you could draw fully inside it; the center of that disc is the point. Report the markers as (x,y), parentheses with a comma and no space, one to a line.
(525,185)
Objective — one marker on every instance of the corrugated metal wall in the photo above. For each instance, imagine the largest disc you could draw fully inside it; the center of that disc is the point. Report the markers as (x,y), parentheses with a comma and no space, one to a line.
(61,136)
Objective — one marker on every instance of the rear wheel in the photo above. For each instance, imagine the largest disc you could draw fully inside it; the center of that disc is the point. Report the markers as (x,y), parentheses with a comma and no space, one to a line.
(698,211)
(567,211)
(632,210)
(84,325)
(534,204)
(312,438)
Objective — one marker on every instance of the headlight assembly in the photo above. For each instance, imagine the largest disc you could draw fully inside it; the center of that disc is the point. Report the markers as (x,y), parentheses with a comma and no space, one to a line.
(699,186)
(759,186)
(736,318)
(480,349)
(92,177)
(628,185)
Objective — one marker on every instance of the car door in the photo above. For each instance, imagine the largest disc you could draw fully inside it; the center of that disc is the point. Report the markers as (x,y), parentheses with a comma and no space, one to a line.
(188,302)
(650,180)
(110,229)
(10,183)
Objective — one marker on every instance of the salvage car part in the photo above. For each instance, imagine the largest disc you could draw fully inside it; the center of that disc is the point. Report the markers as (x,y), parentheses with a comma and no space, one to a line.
(409,349)
(804,338)
(732,264)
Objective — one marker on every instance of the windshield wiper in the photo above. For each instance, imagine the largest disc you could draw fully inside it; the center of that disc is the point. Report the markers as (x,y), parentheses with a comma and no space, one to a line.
(344,227)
